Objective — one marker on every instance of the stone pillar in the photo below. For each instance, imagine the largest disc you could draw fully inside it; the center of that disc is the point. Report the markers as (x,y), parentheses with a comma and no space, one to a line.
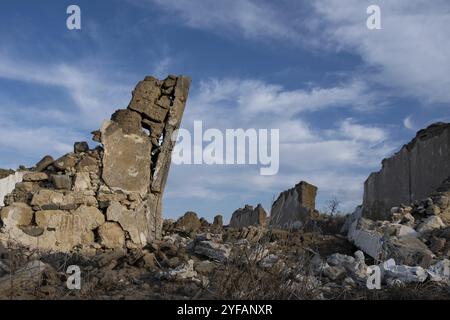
(138,144)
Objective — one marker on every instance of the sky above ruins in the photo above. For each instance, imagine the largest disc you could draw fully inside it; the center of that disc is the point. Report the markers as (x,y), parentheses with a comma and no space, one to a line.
(343,96)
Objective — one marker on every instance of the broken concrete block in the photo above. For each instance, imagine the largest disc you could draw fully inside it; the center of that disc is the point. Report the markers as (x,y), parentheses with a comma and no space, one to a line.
(182,272)
(405,274)
(131,221)
(82,181)
(293,205)
(111,235)
(62,181)
(126,160)
(44,163)
(35,176)
(46,199)
(430,224)
(212,250)
(440,271)
(129,121)
(66,162)
(248,216)
(17,214)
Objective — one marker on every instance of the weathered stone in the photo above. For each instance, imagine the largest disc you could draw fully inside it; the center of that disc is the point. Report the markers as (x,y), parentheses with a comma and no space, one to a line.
(96,136)
(111,235)
(144,96)
(132,221)
(430,224)
(409,251)
(164,102)
(437,244)
(366,237)
(170,81)
(44,163)
(189,223)
(204,267)
(440,271)
(47,199)
(334,273)
(126,159)
(156,129)
(80,147)
(35,176)
(248,216)
(405,274)
(213,250)
(293,205)
(62,230)
(87,164)
(17,214)
(34,231)
(128,120)
(66,162)
(82,181)
(62,181)
(182,272)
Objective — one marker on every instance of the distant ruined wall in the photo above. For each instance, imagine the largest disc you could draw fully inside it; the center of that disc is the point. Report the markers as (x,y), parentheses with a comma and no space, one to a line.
(413,173)
(107,197)
(294,206)
(248,216)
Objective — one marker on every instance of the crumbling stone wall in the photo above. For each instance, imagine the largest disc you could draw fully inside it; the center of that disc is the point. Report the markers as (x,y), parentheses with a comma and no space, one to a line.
(294,206)
(248,216)
(413,173)
(109,196)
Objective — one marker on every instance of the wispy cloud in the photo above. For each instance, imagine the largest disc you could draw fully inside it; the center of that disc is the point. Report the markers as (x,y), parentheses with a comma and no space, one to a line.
(251,19)
(307,151)
(411,51)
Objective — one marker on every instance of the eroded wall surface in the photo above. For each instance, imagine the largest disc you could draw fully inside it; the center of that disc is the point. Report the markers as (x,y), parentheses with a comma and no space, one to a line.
(413,173)
(294,206)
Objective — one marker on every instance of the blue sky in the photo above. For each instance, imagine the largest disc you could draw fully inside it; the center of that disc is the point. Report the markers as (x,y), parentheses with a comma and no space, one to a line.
(344,97)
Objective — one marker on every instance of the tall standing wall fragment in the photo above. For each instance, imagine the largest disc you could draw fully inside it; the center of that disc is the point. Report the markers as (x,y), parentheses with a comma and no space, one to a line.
(294,206)
(413,173)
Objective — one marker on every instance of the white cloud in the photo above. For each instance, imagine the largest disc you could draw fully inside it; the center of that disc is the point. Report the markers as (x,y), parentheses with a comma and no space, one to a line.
(408,124)
(255,97)
(93,96)
(411,51)
(358,132)
(409,55)
(251,19)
